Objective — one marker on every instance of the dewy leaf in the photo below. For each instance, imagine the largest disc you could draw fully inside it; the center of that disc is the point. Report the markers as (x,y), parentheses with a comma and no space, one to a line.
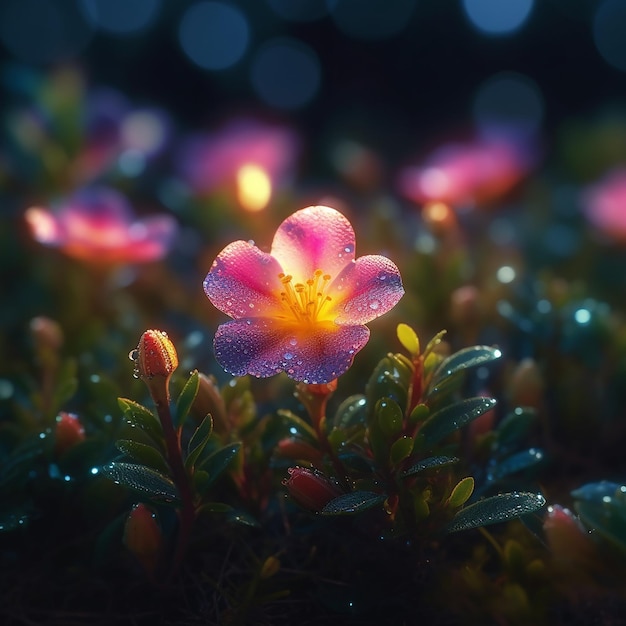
(142,479)
(351,411)
(516,463)
(143,453)
(463,360)
(432,462)
(596,492)
(186,398)
(498,508)
(198,441)
(141,417)
(354,502)
(451,418)
(298,423)
(219,461)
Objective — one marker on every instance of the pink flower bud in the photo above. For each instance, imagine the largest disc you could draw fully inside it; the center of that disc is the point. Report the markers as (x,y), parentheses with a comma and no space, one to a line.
(310,488)
(68,431)
(142,536)
(155,355)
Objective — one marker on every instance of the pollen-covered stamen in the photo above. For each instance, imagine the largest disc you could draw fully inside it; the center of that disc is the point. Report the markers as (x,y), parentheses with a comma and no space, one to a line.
(305,300)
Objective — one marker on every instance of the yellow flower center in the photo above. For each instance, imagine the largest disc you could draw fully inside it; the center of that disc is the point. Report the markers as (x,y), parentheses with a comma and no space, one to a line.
(305,301)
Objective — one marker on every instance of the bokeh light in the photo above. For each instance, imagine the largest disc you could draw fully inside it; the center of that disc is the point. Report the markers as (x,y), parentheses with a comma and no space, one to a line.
(609,32)
(121,17)
(43,32)
(371,20)
(214,35)
(286,73)
(509,99)
(498,17)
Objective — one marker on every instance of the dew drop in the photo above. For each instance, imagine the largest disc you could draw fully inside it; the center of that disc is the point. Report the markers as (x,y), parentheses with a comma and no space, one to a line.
(251,305)
(374,305)
(349,248)
(288,356)
(133,355)
(293,341)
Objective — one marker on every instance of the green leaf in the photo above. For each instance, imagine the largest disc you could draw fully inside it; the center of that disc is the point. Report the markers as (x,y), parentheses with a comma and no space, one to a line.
(389,417)
(198,441)
(517,462)
(451,418)
(142,479)
(217,462)
(432,462)
(391,378)
(498,508)
(186,398)
(408,338)
(143,453)
(515,426)
(434,342)
(400,450)
(464,360)
(298,423)
(351,411)
(67,383)
(608,519)
(419,414)
(461,493)
(355,502)
(141,417)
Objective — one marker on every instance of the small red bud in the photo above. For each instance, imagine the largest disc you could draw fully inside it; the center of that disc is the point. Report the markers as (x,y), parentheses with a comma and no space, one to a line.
(68,431)
(142,536)
(155,356)
(310,488)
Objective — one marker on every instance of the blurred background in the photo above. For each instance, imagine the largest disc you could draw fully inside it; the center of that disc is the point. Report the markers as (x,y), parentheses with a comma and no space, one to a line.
(397,74)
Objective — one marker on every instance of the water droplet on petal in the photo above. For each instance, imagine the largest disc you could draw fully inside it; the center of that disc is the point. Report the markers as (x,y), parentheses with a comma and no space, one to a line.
(288,356)
(133,355)
(374,305)
(293,341)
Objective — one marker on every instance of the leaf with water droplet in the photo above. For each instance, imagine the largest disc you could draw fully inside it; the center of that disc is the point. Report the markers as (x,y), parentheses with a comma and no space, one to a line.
(496,509)
(354,502)
(517,462)
(145,454)
(463,360)
(445,421)
(142,479)
(140,416)
(186,398)
(432,462)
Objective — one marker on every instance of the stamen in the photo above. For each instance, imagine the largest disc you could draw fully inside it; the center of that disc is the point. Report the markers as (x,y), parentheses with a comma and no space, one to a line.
(305,301)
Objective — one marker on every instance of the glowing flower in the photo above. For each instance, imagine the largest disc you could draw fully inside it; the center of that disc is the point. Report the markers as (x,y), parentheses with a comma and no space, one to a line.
(247,156)
(97,226)
(302,307)
(605,204)
(464,174)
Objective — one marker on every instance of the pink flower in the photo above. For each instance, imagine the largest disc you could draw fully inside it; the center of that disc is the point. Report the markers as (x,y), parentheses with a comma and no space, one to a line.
(247,156)
(302,307)
(605,204)
(97,226)
(464,174)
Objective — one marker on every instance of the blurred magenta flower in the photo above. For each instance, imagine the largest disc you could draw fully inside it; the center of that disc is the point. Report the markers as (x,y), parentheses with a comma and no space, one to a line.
(605,204)
(466,174)
(302,307)
(97,226)
(247,157)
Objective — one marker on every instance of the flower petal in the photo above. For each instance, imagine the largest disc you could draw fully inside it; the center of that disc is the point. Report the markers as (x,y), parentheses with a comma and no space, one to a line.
(244,281)
(366,289)
(317,237)
(263,347)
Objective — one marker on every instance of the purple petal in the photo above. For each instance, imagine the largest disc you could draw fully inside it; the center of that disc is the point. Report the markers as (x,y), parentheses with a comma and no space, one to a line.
(244,281)
(317,237)
(263,347)
(366,289)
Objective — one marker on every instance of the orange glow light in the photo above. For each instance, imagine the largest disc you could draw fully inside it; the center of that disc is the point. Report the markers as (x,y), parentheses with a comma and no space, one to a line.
(254,187)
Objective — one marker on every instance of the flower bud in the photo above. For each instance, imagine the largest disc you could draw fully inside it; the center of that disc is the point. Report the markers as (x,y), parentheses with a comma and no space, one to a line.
(526,385)
(310,488)
(155,355)
(142,536)
(68,431)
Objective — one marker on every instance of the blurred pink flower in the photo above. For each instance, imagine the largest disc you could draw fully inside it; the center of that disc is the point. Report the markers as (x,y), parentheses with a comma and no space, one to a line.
(97,226)
(247,156)
(302,307)
(605,204)
(466,174)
